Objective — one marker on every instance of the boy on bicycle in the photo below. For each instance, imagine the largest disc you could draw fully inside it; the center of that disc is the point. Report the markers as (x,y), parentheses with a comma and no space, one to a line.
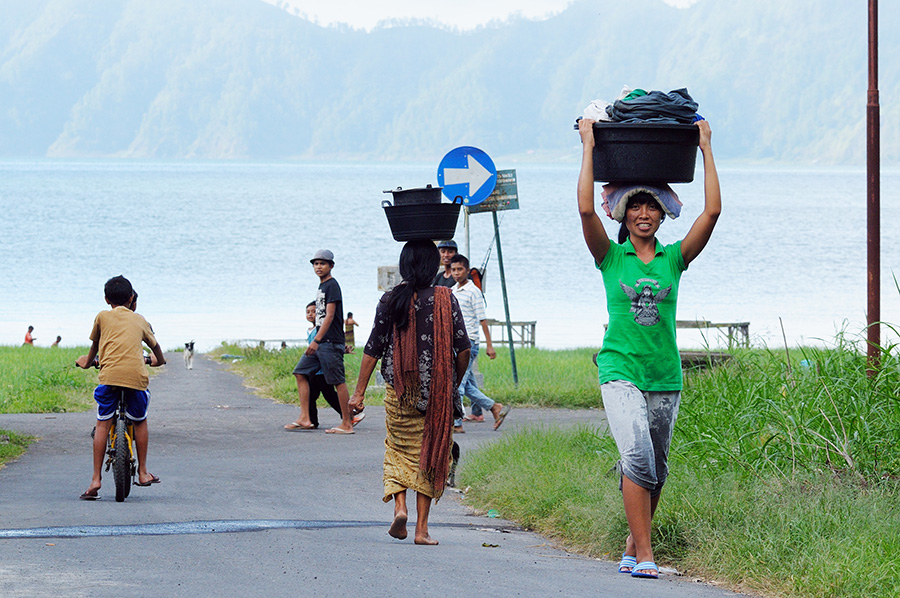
(117,338)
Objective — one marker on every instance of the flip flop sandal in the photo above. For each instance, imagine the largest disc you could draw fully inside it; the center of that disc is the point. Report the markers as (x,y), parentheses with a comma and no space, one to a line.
(87,496)
(502,415)
(646,566)
(338,431)
(295,426)
(627,561)
(153,480)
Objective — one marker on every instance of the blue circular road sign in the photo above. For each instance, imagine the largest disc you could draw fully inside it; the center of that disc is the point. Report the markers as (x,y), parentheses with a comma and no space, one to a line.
(469,173)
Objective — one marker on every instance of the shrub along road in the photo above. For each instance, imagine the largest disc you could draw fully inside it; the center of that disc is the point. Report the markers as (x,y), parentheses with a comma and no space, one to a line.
(245,508)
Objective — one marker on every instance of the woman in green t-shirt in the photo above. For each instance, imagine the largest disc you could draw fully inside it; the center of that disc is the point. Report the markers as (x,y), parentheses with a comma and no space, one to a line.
(639,365)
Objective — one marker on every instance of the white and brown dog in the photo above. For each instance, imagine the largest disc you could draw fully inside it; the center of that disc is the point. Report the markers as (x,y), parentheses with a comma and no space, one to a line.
(189,355)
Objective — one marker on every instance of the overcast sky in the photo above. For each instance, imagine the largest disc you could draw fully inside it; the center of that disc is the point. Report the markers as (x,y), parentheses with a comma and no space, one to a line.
(464,14)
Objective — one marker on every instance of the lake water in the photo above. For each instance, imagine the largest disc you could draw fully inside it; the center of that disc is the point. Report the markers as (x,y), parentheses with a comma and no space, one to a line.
(220,251)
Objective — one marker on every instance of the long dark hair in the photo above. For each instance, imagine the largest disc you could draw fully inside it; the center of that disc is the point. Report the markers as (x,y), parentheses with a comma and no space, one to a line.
(419,261)
(637,198)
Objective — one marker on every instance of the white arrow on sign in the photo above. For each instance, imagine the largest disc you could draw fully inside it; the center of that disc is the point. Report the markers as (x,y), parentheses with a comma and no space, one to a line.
(476,175)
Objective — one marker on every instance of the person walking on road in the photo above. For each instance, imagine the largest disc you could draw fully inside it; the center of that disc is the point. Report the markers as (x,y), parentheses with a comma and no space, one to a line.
(420,337)
(326,349)
(471,304)
(639,365)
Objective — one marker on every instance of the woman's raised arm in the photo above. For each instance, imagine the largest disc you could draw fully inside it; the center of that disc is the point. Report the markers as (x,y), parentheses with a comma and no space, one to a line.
(594,234)
(702,229)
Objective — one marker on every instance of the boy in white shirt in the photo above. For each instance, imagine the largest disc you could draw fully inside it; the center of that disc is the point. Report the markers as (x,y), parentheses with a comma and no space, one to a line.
(471,304)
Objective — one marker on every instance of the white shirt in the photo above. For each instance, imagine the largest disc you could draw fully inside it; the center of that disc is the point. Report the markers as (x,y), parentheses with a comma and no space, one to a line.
(471,305)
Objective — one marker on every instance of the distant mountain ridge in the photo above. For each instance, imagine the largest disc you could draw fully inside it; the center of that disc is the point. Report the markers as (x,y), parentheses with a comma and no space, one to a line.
(241,79)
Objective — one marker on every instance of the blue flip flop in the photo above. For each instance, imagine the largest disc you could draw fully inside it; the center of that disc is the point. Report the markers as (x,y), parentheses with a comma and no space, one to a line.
(627,561)
(646,565)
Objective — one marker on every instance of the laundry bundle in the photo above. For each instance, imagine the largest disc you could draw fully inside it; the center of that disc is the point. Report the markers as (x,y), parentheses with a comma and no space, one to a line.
(645,136)
(640,106)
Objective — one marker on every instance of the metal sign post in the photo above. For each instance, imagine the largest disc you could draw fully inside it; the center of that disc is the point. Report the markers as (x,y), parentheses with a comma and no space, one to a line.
(873,198)
(504,197)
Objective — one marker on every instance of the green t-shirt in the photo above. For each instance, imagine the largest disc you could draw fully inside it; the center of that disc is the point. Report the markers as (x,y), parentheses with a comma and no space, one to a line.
(639,345)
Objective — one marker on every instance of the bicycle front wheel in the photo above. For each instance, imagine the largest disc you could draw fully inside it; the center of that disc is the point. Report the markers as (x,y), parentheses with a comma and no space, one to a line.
(122,462)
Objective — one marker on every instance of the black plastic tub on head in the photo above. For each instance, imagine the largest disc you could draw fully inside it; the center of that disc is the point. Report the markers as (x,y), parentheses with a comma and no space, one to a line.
(434,221)
(426,194)
(645,152)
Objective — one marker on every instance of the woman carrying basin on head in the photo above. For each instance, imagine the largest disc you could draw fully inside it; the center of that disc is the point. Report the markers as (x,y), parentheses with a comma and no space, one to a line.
(420,337)
(639,364)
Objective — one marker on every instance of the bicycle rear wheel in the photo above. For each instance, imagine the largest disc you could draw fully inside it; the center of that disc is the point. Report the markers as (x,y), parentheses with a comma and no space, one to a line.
(122,462)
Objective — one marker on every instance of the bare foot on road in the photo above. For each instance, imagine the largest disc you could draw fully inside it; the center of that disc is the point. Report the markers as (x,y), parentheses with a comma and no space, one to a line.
(398,526)
(425,540)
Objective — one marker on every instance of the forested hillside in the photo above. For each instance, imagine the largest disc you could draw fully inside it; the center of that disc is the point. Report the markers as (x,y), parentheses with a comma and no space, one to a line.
(781,80)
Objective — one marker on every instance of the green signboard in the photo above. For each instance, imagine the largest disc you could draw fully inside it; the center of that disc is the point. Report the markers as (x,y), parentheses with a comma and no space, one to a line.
(504,197)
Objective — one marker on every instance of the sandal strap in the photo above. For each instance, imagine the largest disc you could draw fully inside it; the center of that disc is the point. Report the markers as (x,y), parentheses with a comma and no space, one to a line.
(646,565)
(627,561)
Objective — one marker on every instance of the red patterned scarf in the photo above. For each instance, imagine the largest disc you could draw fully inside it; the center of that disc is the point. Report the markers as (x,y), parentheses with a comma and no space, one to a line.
(434,460)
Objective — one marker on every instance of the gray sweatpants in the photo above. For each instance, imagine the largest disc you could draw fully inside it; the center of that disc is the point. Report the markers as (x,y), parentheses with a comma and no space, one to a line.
(641,424)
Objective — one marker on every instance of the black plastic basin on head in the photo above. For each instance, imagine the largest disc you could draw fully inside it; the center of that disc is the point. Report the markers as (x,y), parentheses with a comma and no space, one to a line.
(422,221)
(421,195)
(645,152)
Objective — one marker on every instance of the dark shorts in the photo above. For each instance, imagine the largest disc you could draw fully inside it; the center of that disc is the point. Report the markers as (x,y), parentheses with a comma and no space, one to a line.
(328,358)
(107,398)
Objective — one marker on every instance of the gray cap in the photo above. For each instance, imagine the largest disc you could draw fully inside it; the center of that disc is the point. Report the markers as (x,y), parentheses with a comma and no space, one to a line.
(323,254)
(448,244)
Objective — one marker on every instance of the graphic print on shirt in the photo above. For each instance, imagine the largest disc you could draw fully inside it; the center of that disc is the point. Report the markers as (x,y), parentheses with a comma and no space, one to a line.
(644,304)
(320,307)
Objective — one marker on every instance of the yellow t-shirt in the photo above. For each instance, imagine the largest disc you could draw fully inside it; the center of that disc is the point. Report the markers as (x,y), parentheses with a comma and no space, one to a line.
(120,332)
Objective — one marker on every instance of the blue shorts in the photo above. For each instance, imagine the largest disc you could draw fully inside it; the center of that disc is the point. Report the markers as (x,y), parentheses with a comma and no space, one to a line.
(136,402)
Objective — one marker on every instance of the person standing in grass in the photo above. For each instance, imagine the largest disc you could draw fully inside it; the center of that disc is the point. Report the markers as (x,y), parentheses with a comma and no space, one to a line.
(29,340)
(349,333)
(639,365)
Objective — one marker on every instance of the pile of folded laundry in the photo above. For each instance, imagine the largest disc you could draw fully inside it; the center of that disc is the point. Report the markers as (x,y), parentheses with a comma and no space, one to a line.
(639,106)
(645,137)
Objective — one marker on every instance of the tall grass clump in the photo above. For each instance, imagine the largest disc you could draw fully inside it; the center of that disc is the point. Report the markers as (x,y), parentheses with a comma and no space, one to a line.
(785,476)
(44,380)
(804,411)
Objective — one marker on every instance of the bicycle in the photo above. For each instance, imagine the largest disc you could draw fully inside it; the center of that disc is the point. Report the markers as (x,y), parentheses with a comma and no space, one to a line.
(120,447)
(120,453)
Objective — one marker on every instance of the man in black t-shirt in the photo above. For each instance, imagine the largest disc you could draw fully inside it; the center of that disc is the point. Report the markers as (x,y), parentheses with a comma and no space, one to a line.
(443,278)
(326,350)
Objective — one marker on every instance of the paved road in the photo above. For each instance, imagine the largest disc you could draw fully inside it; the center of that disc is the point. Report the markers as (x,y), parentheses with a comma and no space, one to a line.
(246,509)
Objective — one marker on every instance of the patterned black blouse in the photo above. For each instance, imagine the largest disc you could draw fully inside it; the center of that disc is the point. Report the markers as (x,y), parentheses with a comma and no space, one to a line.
(381,342)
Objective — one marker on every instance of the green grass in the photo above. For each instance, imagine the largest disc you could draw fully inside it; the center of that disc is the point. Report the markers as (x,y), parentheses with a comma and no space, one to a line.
(268,371)
(785,477)
(814,535)
(12,445)
(546,378)
(564,378)
(40,380)
(44,380)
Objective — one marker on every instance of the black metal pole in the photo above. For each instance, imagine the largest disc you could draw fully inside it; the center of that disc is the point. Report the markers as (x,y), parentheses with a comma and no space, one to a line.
(873,197)
(512,349)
